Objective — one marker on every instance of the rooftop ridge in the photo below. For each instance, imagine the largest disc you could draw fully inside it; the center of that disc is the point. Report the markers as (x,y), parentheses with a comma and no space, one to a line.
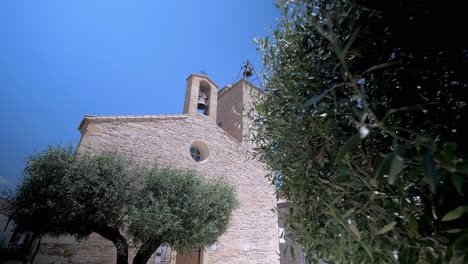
(229,87)
(128,118)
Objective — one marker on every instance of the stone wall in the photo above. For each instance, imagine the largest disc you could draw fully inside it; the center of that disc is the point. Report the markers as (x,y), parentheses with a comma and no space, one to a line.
(285,242)
(7,226)
(230,102)
(234,105)
(165,140)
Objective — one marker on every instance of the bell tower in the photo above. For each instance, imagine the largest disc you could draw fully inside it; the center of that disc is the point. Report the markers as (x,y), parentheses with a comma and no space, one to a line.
(201,97)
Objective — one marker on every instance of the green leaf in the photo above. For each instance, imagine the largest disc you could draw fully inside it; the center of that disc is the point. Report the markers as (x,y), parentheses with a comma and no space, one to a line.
(356,139)
(348,213)
(292,251)
(386,228)
(454,231)
(430,171)
(460,242)
(457,182)
(317,98)
(415,173)
(378,67)
(413,227)
(455,213)
(355,230)
(367,249)
(447,153)
(384,166)
(397,166)
(424,139)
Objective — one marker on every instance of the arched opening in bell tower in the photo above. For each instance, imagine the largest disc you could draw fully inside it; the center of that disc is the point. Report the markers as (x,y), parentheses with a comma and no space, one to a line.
(203,103)
(201,97)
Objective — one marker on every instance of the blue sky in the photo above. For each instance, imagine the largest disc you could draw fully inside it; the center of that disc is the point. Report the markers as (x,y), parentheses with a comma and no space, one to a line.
(60,60)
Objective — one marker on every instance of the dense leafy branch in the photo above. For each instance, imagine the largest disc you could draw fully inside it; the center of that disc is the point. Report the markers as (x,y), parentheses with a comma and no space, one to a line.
(364,139)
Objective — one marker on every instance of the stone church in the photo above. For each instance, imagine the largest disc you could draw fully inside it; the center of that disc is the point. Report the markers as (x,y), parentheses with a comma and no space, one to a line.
(208,137)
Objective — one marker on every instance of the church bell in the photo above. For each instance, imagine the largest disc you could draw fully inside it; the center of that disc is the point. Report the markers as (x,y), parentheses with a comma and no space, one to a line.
(248,69)
(248,72)
(201,103)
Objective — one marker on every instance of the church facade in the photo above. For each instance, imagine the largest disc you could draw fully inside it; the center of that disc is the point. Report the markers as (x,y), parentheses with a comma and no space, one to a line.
(208,137)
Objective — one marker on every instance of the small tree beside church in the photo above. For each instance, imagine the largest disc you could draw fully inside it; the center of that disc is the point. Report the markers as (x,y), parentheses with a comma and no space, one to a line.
(130,205)
(179,208)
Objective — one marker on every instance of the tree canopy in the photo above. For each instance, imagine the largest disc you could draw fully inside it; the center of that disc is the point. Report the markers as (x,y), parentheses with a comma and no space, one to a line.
(365,138)
(131,205)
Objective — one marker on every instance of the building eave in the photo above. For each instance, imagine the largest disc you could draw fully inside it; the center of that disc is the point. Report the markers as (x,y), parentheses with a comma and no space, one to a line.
(228,87)
(131,118)
(118,118)
(204,77)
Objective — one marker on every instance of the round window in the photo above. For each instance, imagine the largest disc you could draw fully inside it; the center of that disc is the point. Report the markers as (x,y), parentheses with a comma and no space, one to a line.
(195,153)
(199,151)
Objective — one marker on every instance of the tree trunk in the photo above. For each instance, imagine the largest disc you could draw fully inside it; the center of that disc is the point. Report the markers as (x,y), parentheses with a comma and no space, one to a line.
(119,241)
(146,250)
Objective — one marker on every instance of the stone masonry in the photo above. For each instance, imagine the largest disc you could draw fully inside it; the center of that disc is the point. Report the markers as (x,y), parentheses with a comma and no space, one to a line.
(165,140)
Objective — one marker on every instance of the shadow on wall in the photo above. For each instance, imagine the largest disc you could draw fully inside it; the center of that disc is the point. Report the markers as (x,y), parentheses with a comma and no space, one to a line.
(15,243)
(285,242)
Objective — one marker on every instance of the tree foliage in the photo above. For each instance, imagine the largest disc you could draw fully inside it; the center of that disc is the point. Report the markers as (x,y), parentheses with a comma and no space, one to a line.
(195,212)
(106,193)
(364,138)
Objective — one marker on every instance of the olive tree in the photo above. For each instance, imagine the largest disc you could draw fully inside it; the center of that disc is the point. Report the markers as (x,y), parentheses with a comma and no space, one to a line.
(179,208)
(128,204)
(365,138)
(62,193)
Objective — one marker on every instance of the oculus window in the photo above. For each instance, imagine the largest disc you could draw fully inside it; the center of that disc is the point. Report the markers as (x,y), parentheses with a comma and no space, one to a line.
(199,151)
